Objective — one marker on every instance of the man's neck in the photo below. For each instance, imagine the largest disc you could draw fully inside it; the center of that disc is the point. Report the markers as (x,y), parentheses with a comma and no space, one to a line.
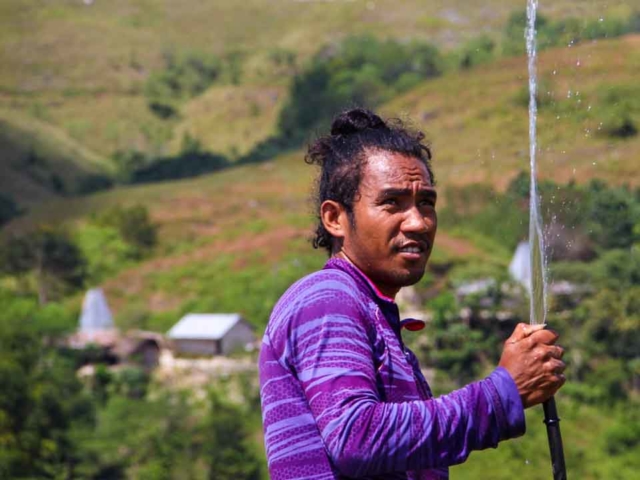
(390,296)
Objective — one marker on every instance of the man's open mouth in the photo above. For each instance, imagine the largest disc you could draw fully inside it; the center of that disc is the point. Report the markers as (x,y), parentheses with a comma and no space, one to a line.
(413,248)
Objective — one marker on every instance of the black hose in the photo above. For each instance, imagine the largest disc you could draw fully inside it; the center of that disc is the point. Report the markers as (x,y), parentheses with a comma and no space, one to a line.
(552,421)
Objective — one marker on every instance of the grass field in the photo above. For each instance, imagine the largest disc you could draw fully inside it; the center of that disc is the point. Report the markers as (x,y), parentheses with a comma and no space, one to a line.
(478,123)
(84,69)
(112,45)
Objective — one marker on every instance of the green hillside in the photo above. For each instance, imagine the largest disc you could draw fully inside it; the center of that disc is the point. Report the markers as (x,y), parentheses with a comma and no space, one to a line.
(85,70)
(39,162)
(478,120)
(478,128)
(111,46)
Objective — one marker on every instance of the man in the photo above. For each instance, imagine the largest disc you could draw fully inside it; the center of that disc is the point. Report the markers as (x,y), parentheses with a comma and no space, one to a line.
(342,396)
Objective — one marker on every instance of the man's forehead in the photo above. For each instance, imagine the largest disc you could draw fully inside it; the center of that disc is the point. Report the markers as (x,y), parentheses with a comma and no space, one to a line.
(385,169)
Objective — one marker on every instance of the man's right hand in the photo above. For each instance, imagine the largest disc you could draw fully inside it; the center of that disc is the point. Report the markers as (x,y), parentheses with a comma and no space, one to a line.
(534,362)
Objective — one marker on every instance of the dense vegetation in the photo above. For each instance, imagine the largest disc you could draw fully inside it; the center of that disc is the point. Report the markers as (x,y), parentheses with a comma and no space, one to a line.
(593,241)
(113,425)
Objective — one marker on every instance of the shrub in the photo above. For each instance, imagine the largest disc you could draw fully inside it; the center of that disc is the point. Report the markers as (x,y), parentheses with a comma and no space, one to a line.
(613,214)
(361,70)
(105,250)
(476,52)
(181,166)
(623,436)
(50,255)
(184,76)
(8,209)
(93,183)
(133,224)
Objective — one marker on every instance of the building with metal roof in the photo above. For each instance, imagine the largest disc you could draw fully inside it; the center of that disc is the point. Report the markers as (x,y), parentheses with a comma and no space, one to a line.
(210,334)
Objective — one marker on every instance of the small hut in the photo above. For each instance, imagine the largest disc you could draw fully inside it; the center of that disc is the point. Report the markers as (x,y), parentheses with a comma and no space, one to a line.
(210,334)
(96,330)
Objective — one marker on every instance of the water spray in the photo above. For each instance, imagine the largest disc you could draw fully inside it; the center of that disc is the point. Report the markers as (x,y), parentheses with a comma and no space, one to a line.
(536,242)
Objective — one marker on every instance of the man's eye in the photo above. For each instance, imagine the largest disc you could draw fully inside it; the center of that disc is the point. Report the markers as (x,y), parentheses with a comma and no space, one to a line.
(390,201)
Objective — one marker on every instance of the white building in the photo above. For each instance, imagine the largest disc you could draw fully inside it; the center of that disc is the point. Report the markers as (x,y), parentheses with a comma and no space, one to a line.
(520,266)
(95,316)
(211,334)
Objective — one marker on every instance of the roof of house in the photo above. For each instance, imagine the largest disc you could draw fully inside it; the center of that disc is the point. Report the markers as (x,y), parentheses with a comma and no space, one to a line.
(204,326)
(96,315)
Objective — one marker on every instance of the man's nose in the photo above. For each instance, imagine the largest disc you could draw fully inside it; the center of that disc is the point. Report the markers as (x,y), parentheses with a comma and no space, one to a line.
(416,222)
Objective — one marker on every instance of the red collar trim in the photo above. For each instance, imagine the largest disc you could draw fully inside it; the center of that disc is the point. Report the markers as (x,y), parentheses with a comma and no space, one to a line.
(373,285)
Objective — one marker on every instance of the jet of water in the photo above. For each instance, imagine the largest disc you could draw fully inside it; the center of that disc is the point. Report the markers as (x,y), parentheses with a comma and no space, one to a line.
(538,290)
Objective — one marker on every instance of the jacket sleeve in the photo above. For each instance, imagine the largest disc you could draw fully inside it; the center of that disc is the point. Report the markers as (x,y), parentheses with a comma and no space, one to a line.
(331,353)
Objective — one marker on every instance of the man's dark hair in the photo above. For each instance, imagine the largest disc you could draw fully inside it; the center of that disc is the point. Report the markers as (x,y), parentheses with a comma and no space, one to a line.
(341,156)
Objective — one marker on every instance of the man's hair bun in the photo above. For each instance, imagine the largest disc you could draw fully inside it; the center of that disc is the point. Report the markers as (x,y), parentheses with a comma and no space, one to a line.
(356,120)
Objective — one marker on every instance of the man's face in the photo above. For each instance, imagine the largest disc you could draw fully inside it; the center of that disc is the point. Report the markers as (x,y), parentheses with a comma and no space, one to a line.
(395,221)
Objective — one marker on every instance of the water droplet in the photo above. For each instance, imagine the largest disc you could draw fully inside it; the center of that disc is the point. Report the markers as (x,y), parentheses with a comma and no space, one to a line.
(578,63)
(527,462)
(555,71)
(569,94)
(594,163)
(589,108)
(601,19)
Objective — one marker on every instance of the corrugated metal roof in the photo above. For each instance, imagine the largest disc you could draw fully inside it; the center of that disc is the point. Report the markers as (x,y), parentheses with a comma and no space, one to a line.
(204,326)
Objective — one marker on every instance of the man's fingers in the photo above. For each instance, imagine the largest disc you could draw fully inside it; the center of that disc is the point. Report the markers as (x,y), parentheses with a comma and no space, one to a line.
(523,330)
(555,367)
(547,337)
(553,351)
(558,352)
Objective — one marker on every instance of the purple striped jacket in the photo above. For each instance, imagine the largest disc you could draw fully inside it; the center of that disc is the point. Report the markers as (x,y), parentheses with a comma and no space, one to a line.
(342,397)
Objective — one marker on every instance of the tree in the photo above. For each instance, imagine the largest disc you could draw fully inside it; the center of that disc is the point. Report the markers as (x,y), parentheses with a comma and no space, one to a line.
(613,215)
(134,225)
(362,70)
(48,253)
(8,209)
(514,43)
(41,400)
(227,451)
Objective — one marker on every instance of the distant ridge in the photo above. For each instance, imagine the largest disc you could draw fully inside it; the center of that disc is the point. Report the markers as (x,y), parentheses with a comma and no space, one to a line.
(39,161)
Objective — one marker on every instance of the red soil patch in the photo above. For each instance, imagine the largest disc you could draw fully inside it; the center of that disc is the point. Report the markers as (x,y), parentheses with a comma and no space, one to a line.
(274,243)
(456,246)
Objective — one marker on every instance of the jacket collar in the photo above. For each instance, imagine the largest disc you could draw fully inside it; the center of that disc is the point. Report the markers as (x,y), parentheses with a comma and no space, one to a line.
(365,283)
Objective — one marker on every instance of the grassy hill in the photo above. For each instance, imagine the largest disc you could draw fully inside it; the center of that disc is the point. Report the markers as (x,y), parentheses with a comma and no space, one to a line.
(40,162)
(241,226)
(85,69)
(110,46)
(477,120)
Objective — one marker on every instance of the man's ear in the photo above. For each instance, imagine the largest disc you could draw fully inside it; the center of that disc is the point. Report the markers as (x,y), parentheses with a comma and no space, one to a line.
(334,218)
